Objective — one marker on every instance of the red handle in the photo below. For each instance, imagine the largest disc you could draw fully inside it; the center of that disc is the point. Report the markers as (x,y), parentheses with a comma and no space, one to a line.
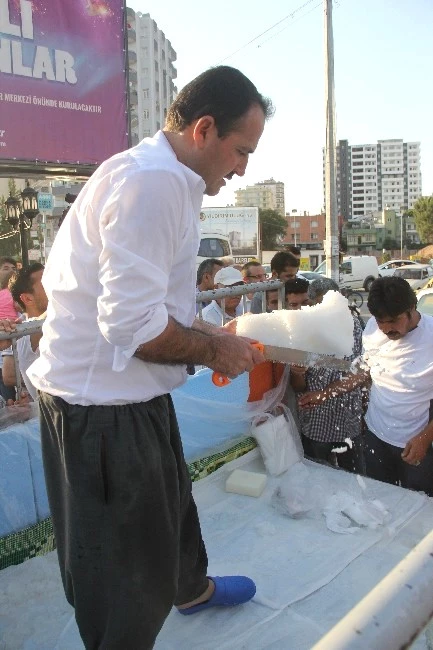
(221,380)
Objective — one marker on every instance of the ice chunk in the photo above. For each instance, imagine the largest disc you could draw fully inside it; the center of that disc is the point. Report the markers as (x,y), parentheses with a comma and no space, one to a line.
(325,329)
(251,484)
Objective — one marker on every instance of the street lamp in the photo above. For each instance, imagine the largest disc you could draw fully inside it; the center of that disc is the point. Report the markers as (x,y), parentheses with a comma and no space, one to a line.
(20,214)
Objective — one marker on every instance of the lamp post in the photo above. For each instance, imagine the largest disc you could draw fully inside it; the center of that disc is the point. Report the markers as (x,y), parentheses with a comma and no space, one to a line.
(20,214)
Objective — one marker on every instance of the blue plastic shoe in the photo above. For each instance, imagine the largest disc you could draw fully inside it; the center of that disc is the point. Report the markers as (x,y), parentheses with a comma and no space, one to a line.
(229,591)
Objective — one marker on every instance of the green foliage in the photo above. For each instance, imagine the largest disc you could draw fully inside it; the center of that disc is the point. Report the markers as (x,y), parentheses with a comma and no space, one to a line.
(385,257)
(423,213)
(273,226)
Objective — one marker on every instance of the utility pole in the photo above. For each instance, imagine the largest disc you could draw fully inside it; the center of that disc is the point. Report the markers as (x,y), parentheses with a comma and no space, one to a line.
(332,249)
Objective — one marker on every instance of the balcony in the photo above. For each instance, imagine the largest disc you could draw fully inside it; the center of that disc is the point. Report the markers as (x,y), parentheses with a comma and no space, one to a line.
(132,58)
(133,98)
(132,35)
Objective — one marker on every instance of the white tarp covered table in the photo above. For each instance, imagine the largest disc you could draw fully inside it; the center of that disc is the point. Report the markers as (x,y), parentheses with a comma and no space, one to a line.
(307,576)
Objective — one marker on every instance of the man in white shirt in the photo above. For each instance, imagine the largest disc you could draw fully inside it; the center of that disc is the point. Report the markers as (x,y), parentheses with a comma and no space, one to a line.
(28,292)
(398,349)
(213,313)
(205,277)
(119,332)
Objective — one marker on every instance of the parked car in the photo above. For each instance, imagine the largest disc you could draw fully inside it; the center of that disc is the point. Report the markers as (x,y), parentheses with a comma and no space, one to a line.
(356,272)
(427,285)
(388,268)
(310,275)
(425,301)
(415,274)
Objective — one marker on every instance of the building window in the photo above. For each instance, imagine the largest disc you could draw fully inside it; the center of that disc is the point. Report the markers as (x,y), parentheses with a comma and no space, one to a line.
(146,93)
(146,114)
(314,224)
(314,235)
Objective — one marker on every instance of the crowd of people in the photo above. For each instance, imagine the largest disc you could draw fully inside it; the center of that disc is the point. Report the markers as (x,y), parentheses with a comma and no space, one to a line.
(121,330)
(379,421)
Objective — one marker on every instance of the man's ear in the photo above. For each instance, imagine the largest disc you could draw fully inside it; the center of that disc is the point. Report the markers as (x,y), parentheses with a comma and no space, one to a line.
(203,129)
(26,298)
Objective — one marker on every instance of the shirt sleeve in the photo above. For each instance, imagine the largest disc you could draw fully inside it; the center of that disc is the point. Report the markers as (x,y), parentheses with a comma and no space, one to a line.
(140,227)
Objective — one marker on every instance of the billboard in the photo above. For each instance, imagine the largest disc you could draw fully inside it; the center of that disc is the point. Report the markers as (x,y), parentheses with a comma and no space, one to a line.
(240,225)
(62,81)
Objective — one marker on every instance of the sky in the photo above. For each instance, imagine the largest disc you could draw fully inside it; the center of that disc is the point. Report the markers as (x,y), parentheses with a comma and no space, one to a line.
(383,65)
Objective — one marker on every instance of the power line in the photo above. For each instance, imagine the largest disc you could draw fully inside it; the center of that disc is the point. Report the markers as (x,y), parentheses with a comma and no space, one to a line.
(320,4)
(291,15)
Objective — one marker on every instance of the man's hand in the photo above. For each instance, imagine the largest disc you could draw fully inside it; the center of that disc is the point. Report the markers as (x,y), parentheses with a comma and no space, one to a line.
(311,399)
(7,325)
(232,355)
(416,449)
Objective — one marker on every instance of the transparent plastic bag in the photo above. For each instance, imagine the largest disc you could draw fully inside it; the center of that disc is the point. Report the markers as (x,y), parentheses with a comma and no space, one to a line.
(278,439)
(212,419)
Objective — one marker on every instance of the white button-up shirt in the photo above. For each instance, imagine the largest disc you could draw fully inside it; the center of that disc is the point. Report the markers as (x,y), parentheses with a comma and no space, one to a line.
(123,261)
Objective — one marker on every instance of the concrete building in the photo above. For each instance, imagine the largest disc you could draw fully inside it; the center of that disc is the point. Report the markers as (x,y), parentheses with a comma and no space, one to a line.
(151,75)
(266,195)
(379,230)
(374,177)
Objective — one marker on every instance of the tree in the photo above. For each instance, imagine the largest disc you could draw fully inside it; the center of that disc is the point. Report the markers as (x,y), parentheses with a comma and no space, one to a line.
(423,212)
(272,226)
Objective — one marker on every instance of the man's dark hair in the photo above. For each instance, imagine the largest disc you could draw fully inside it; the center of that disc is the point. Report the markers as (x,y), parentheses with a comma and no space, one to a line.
(207,267)
(321,286)
(295,250)
(297,285)
(283,259)
(390,297)
(22,282)
(222,92)
(7,260)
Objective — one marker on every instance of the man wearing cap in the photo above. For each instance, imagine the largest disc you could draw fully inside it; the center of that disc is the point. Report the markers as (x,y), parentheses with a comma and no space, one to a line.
(213,313)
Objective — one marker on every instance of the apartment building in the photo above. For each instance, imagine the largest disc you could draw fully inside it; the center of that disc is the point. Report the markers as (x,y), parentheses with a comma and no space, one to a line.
(151,75)
(375,177)
(267,195)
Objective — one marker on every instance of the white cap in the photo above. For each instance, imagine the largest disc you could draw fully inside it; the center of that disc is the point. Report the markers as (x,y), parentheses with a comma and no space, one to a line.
(228,276)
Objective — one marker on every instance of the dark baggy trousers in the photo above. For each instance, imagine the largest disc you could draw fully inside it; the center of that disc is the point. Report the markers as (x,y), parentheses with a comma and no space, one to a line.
(126,525)
(384,463)
(352,460)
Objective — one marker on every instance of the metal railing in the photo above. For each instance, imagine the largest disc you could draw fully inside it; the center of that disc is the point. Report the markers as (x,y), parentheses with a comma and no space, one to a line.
(252,288)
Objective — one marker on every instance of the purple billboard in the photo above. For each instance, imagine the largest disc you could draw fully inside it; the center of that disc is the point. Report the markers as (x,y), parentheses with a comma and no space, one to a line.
(62,81)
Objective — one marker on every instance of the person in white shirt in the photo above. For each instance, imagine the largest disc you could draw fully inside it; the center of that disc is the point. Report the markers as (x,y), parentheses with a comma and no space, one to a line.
(119,332)
(398,349)
(252,272)
(28,292)
(213,313)
(205,277)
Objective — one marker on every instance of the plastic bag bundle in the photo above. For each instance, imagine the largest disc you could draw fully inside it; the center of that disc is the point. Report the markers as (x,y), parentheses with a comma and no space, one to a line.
(278,439)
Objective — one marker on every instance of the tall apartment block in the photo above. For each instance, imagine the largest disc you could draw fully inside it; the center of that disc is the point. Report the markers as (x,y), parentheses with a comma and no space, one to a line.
(375,177)
(151,75)
(267,195)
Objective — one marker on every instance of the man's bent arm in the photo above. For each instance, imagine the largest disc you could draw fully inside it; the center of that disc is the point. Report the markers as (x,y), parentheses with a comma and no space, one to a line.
(177,344)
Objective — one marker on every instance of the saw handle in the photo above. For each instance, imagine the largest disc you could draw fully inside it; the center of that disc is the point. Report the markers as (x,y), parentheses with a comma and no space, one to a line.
(221,380)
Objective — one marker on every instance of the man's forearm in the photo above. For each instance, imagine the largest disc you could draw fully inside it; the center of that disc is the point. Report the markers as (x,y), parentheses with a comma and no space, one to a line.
(346,384)
(205,328)
(178,345)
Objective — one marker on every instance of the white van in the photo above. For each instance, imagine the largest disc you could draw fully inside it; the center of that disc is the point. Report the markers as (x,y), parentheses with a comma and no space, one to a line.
(213,244)
(356,272)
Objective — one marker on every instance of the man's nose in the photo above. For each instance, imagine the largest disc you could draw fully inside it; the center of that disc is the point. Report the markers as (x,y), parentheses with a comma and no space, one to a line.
(241,166)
